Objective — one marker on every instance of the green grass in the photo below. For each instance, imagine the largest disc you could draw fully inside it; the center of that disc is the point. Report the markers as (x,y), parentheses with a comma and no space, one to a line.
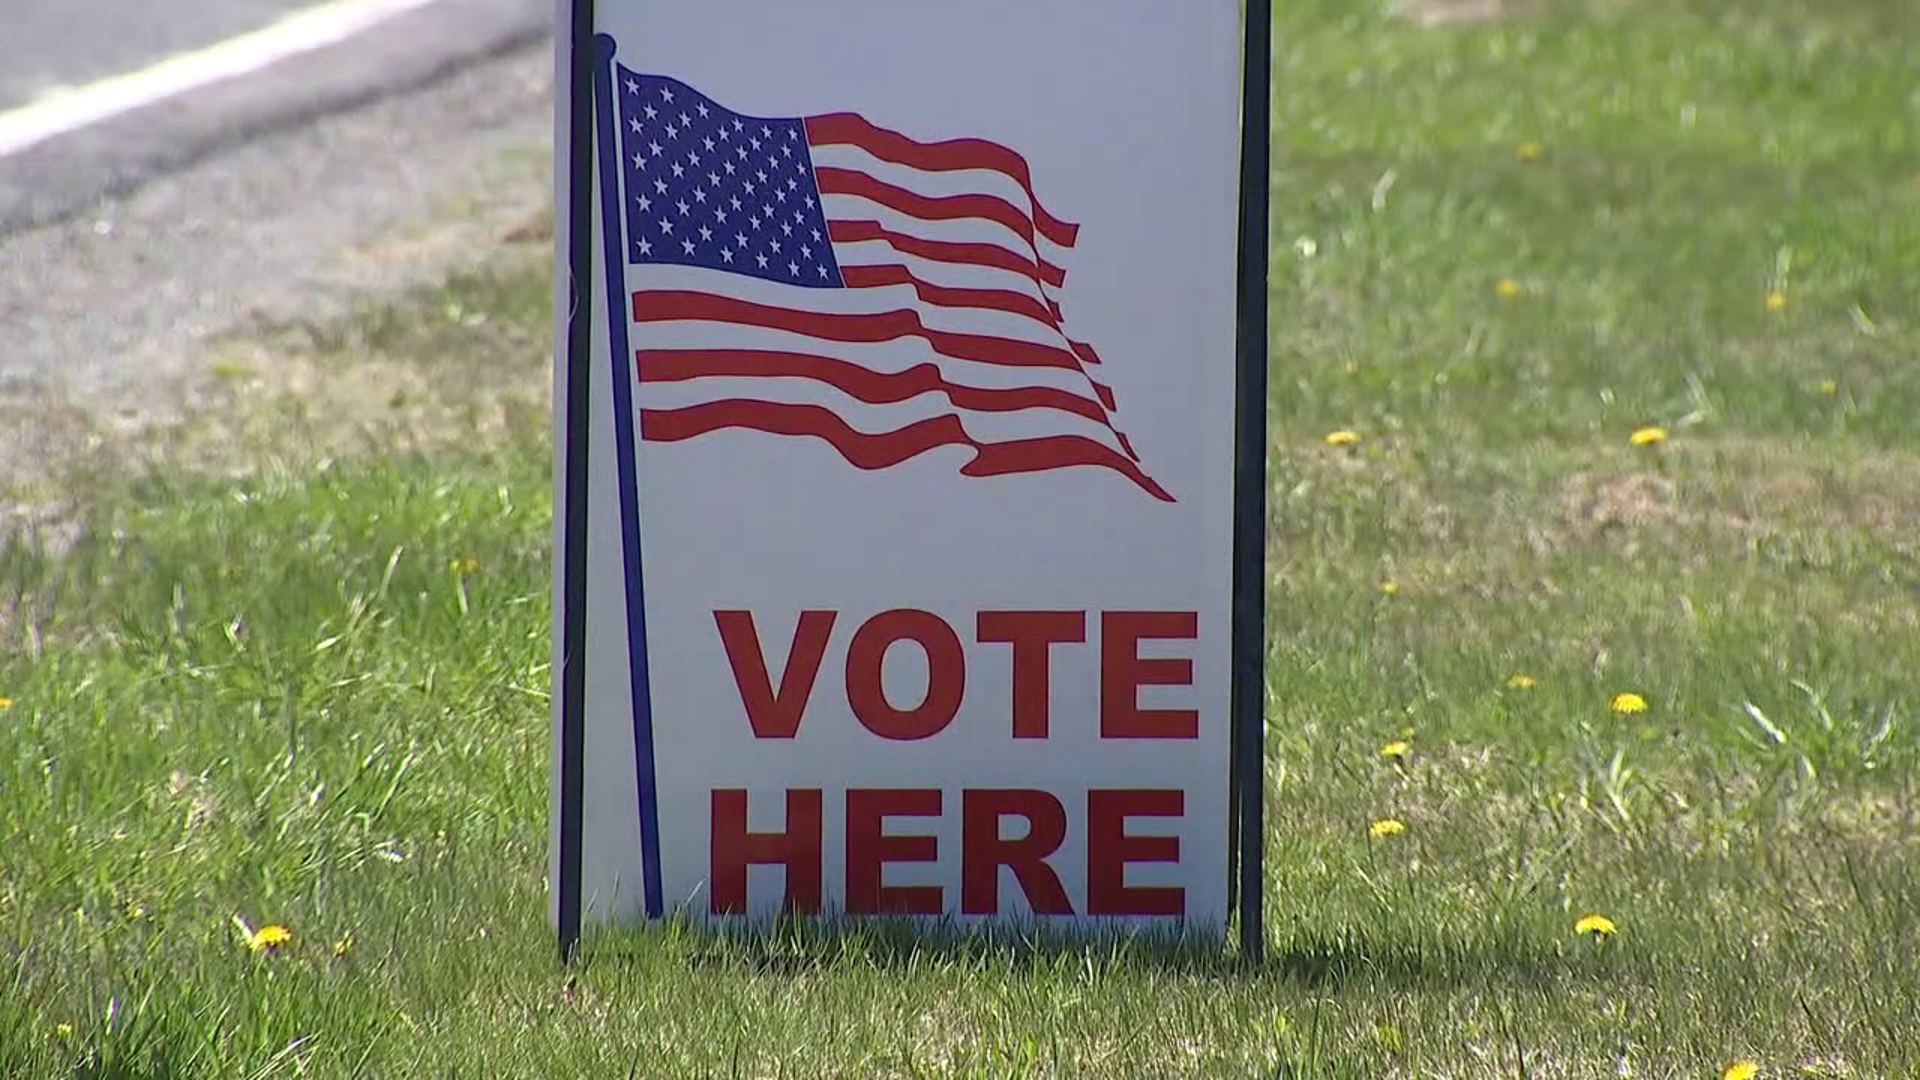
(273,696)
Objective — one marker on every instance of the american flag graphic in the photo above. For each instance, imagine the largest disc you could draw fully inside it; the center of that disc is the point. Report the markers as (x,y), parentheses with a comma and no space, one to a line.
(824,277)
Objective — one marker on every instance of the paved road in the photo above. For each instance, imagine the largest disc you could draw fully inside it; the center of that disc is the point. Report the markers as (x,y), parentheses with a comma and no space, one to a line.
(294,192)
(49,44)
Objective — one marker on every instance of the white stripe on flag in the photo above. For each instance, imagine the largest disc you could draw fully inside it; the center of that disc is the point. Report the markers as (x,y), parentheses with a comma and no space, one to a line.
(888,357)
(870,301)
(876,419)
(942,185)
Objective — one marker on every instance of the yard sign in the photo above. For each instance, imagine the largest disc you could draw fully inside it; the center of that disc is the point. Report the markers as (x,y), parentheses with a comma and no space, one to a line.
(910,401)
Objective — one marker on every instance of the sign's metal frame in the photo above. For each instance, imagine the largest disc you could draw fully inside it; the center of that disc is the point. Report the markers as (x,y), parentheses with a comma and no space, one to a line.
(573,400)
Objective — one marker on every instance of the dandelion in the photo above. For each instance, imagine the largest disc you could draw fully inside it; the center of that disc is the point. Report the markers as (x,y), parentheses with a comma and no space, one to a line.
(5,703)
(464,566)
(1386,827)
(1507,288)
(1521,682)
(1598,926)
(1829,387)
(1397,751)
(269,937)
(1343,437)
(1742,1069)
(1389,587)
(1776,301)
(1529,151)
(1648,436)
(1626,704)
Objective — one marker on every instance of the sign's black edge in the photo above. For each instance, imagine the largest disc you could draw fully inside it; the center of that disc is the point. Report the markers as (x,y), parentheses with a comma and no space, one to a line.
(1248,757)
(579,391)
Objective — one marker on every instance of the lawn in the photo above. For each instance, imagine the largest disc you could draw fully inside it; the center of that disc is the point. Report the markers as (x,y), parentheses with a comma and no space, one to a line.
(311,691)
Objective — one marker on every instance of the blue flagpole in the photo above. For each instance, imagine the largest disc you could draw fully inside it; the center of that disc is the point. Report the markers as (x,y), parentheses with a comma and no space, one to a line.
(614,245)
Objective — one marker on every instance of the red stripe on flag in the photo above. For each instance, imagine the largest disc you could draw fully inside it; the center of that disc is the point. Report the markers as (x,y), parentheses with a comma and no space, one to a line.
(835,181)
(880,451)
(651,306)
(1057,452)
(872,387)
(847,129)
(1013,303)
(989,255)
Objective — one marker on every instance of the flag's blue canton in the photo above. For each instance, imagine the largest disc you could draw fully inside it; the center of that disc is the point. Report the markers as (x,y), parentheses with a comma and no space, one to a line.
(709,187)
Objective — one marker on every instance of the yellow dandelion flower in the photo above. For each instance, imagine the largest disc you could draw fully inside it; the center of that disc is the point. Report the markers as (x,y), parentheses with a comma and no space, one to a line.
(464,566)
(1628,703)
(1529,151)
(1507,288)
(1597,925)
(1648,436)
(345,945)
(1386,827)
(1521,682)
(63,1029)
(1829,387)
(1389,587)
(1398,751)
(5,703)
(1343,437)
(1776,301)
(269,937)
(1742,1069)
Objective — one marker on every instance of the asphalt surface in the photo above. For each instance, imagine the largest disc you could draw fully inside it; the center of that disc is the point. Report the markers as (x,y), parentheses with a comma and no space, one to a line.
(47,182)
(50,44)
(298,192)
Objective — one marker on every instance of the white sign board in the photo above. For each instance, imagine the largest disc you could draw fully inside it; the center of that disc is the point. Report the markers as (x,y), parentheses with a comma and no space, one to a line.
(909,475)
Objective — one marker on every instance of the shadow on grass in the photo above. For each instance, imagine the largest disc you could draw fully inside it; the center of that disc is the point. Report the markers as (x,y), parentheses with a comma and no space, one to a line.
(1331,960)
(1320,960)
(791,946)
